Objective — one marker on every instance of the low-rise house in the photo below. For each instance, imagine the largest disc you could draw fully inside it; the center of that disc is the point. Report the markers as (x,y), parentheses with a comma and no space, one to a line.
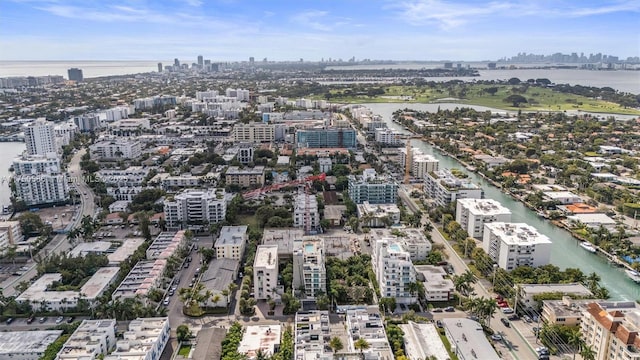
(527,292)
(437,285)
(219,275)
(26,345)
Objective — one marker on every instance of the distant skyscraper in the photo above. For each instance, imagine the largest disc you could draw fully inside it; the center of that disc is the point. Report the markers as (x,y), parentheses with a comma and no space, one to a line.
(200,61)
(40,137)
(75,74)
(252,60)
(176,62)
(159,67)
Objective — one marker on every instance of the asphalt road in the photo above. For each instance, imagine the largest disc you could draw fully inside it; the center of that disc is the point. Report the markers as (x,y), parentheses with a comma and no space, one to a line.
(59,243)
(513,342)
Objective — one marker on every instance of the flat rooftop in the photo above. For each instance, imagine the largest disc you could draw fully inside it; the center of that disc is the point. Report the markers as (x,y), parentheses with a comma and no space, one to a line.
(576,288)
(232,235)
(266,257)
(283,238)
(128,247)
(34,342)
(484,207)
(220,274)
(260,337)
(469,339)
(422,341)
(85,248)
(517,233)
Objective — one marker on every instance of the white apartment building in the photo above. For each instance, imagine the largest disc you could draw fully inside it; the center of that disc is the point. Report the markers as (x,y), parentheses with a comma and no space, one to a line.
(420,164)
(36,164)
(64,133)
(324,164)
(264,338)
(412,240)
(305,212)
(145,339)
(528,292)
(562,197)
(193,208)
(515,244)
(88,122)
(91,339)
(117,149)
(42,189)
(372,188)
(437,285)
(378,215)
(394,271)
(117,113)
(388,136)
(472,214)
(254,133)
(611,333)
(308,267)
(124,125)
(312,328)
(366,323)
(444,187)
(173,182)
(26,345)
(10,234)
(39,137)
(131,176)
(231,242)
(265,272)
(40,298)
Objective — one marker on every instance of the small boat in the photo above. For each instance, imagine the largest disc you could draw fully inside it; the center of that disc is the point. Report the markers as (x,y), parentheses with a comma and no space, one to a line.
(587,246)
(633,275)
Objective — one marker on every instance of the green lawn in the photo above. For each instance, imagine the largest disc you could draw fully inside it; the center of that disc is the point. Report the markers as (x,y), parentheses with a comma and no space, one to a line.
(539,99)
(247,220)
(184,350)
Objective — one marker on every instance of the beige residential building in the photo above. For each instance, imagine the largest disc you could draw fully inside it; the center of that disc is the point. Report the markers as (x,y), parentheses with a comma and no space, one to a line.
(231,242)
(247,177)
(254,133)
(612,334)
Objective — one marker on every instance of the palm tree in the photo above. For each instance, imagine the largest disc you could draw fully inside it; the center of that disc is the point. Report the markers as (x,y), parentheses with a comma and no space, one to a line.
(215,298)
(588,353)
(362,345)
(592,281)
(575,340)
(336,344)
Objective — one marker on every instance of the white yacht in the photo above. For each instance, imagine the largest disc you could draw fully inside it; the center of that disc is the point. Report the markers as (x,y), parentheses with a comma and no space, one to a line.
(587,246)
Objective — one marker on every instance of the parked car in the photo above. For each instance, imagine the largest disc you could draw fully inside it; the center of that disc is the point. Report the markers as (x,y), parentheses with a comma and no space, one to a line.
(171,292)
(496,337)
(505,322)
(30,319)
(439,323)
(70,319)
(449,309)
(436,310)
(166,302)
(526,318)
(507,310)
(59,319)
(9,320)
(42,320)
(513,317)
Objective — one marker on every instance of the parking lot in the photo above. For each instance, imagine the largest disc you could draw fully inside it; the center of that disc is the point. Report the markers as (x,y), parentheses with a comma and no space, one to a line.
(58,216)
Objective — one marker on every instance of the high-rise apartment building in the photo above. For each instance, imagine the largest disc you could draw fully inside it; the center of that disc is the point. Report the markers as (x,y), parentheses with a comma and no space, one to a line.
(245,153)
(75,74)
(472,214)
(305,212)
(444,187)
(420,164)
(159,67)
(195,208)
(326,138)
(39,137)
(308,267)
(265,272)
(200,61)
(373,189)
(515,244)
(611,333)
(394,271)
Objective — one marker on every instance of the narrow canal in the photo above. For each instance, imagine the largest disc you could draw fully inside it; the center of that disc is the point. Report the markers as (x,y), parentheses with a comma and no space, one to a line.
(566,253)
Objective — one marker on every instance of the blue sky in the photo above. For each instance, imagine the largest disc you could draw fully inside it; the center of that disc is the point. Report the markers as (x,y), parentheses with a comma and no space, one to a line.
(287,30)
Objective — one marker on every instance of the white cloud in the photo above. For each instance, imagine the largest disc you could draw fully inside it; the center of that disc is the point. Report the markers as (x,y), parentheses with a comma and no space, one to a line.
(311,19)
(448,14)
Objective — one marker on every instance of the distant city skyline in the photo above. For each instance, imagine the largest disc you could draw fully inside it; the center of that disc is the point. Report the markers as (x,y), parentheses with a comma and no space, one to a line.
(231,30)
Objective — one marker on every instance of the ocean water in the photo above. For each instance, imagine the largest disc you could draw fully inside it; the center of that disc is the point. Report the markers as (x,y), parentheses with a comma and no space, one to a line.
(622,80)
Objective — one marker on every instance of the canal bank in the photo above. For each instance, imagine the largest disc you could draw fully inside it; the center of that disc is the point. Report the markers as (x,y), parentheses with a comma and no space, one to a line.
(566,251)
